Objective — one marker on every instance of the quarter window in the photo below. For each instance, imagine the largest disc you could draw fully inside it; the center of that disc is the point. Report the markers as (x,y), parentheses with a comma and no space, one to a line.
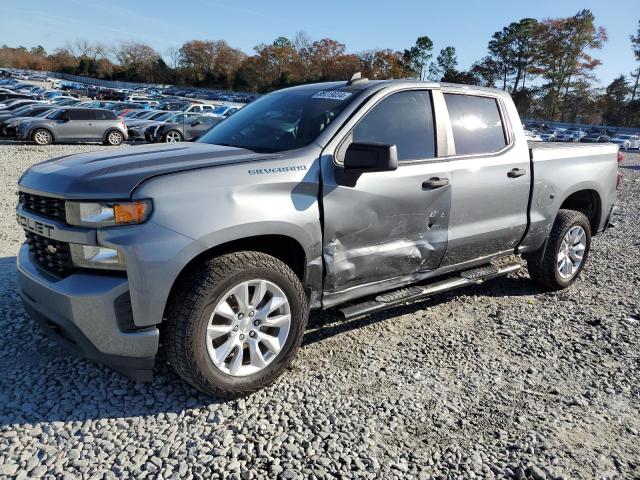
(404,119)
(476,123)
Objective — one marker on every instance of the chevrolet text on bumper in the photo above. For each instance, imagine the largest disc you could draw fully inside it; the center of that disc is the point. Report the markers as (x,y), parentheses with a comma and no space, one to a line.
(358,196)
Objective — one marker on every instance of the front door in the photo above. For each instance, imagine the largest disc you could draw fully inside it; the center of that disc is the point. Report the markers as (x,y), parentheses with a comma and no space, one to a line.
(385,229)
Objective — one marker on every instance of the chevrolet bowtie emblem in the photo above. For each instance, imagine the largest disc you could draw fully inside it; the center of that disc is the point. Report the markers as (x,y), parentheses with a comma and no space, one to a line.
(51,249)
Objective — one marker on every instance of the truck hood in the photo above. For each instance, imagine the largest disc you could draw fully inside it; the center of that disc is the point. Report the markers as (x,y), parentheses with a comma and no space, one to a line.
(114,174)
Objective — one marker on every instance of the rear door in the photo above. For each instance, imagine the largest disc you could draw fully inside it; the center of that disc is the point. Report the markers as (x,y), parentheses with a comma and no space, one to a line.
(491,179)
(102,121)
(383,229)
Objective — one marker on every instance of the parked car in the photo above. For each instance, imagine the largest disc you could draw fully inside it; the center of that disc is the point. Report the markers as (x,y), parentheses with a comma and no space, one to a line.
(75,125)
(548,135)
(136,126)
(224,111)
(595,138)
(570,135)
(14,104)
(627,142)
(532,137)
(180,131)
(229,241)
(148,128)
(9,125)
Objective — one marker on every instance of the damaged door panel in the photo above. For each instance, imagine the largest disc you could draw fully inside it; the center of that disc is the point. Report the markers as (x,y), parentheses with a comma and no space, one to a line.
(382,229)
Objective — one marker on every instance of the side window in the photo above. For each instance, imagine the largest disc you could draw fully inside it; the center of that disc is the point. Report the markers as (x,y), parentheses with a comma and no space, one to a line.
(476,123)
(404,119)
(78,115)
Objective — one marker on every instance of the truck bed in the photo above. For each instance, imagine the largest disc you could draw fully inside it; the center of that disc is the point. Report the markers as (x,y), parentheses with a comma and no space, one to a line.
(557,150)
(585,167)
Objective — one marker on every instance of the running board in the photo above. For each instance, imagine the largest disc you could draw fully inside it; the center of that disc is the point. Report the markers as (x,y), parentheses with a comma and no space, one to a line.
(410,294)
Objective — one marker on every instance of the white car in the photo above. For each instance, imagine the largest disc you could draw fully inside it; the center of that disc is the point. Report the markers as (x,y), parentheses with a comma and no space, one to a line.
(223,111)
(569,136)
(532,136)
(627,142)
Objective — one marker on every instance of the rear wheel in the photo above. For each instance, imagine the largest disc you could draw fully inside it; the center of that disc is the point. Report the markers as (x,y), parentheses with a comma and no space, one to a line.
(235,323)
(42,136)
(114,138)
(173,136)
(558,265)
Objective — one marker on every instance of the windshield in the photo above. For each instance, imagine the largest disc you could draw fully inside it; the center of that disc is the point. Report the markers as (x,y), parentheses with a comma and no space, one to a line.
(282,121)
(623,137)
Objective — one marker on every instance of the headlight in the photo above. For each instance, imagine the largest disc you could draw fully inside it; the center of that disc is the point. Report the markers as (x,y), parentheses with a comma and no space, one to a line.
(94,214)
(89,256)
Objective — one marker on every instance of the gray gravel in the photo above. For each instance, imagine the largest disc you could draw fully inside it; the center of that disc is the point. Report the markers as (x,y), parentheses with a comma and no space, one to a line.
(498,381)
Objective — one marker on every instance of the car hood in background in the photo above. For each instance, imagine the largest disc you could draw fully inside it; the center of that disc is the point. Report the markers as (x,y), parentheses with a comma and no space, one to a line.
(114,174)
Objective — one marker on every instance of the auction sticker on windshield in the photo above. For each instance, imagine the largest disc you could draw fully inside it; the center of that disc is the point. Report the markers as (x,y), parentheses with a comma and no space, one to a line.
(332,95)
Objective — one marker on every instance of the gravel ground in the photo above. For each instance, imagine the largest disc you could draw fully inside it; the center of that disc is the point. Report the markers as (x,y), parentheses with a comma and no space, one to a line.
(498,381)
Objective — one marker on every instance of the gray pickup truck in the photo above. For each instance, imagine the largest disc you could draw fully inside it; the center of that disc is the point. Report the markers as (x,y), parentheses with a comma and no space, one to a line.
(357,196)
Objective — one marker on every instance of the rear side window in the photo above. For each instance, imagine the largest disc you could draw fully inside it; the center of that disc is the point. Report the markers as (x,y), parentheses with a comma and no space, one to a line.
(476,123)
(404,119)
(80,115)
(104,115)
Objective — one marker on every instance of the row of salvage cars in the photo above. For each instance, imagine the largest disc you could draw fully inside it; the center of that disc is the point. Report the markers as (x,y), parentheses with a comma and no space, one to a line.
(626,141)
(45,123)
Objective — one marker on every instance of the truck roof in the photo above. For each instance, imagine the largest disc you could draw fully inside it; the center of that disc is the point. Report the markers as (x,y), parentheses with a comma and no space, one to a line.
(362,84)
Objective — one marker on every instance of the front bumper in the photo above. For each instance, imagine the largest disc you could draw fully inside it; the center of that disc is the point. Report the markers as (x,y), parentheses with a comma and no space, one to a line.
(90,314)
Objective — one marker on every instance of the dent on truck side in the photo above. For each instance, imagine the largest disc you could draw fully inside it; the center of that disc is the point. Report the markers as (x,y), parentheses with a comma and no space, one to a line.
(208,207)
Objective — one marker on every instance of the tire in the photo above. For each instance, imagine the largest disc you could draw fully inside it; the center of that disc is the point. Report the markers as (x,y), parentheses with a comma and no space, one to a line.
(546,265)
(42,136)
(172,136)
(191,315)
(114,138)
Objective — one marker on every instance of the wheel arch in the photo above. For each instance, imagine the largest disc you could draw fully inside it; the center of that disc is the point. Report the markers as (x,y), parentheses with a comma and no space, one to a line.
(34,129)
(588,202)
(285,248)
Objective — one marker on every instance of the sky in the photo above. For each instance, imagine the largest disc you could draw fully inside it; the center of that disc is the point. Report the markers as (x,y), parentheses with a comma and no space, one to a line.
(465,24)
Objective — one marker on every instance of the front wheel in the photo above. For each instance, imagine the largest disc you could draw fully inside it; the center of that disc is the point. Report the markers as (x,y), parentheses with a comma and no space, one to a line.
(558,265)
(235,323)
(42,136)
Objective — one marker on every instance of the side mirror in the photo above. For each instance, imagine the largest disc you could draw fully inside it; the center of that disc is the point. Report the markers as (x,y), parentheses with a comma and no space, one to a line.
(65,119)
(370,157)
(195,124)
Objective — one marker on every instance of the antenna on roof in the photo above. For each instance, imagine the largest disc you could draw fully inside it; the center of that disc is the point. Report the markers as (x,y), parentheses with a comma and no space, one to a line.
(356,77)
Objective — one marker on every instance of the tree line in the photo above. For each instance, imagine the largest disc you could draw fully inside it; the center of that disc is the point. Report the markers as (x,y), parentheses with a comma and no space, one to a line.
(546,65)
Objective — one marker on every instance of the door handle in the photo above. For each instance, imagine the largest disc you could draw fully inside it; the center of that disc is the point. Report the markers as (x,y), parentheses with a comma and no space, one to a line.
(434,183)
(516,172)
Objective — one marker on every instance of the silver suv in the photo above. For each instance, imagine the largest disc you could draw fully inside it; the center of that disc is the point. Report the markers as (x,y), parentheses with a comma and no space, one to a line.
(75,125)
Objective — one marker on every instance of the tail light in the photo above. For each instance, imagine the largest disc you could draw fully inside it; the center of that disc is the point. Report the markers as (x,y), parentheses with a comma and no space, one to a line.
(620,157)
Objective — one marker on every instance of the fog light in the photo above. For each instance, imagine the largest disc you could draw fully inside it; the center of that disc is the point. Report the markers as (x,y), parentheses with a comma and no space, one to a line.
(89,256)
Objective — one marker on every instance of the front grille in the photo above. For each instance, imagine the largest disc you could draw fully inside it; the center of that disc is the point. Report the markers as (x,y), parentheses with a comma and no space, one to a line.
(49,254)
(47,206)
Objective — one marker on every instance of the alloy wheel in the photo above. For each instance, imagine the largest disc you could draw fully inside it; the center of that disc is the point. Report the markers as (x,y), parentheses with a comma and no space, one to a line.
(571,252)
(248,327)
(42,137)
(173,137)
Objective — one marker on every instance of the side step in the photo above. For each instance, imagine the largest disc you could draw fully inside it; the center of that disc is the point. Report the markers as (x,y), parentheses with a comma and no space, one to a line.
(410,294)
